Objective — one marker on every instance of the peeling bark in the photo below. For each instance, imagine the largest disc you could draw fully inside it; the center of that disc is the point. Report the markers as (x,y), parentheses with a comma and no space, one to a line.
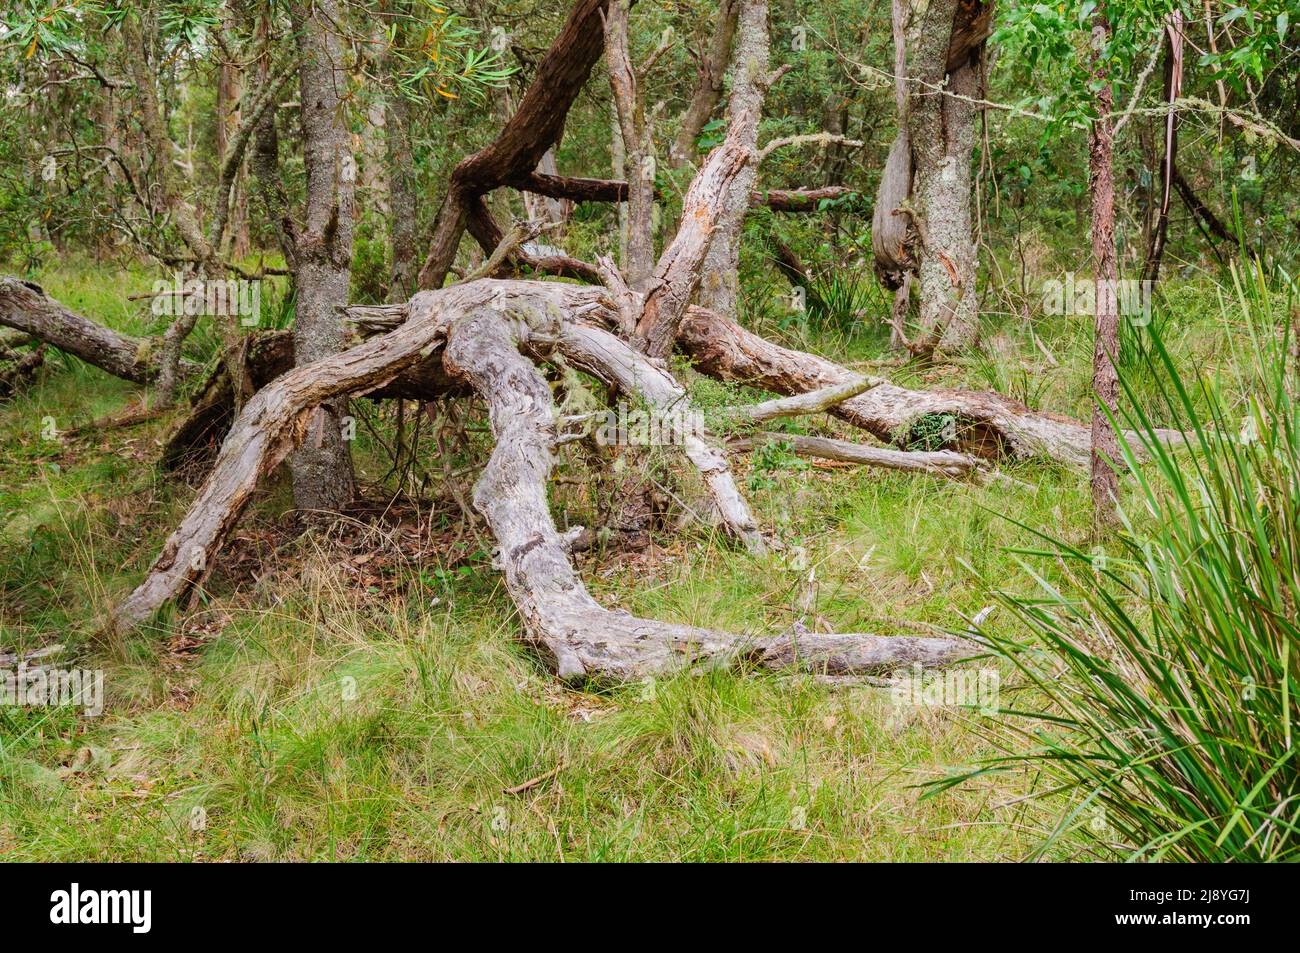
(922,219)
(583,639)
(720,284)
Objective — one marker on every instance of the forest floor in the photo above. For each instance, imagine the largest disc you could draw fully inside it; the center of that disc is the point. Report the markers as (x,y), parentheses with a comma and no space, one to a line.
(360,692)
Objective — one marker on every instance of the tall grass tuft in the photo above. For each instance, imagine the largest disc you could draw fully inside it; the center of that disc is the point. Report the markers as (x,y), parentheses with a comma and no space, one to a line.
(1164,680)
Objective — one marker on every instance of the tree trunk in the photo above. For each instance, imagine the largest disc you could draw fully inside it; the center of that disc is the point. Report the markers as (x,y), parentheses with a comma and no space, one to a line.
(400,159)
(1105,382)
(637,131)
(1173,90)
(720,283)
(26,307)
(942,133)
(322,466)
(229,83)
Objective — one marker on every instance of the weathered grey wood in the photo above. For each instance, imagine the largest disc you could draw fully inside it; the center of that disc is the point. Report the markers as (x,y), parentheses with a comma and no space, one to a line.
(989,425)
(485,324)
(27,308)
(606,357)
(583,639)
(800,405)
(948,463)
(272,422)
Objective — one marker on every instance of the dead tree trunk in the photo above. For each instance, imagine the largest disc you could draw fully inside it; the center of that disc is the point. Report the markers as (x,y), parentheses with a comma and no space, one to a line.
(1105,382)
(26,307)
(322,467)
(980,423)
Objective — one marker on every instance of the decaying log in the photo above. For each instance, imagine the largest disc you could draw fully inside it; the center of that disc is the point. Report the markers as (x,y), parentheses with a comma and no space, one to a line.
(272,422)
(986,425)
(408,356)
(948,463)
(26,307)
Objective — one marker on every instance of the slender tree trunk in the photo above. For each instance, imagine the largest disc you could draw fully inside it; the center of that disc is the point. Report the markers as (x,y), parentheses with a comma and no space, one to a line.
(1173,90)
(637,128)
(618,163)
(1105,382)
(401,187)
(400,159)
(322,467)
(229,83)
(720,281)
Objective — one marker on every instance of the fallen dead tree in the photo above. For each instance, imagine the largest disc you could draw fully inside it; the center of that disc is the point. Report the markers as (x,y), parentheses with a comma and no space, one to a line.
(478,331)
(979,423)
(984,425)
(26,307)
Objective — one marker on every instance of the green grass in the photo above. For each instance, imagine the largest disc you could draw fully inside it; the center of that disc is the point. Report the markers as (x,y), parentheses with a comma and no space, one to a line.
(1168,681)
(317,707)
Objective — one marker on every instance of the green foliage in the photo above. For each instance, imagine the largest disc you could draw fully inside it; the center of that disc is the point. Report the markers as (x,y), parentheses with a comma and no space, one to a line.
(772,458)
(370,265)
(931,432)
(846,301)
